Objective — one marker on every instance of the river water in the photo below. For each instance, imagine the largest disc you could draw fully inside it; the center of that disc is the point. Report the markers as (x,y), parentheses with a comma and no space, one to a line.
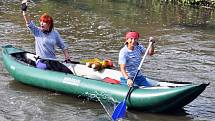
(185,51)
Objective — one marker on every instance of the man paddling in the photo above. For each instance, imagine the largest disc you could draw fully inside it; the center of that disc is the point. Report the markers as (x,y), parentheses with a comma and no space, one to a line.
(130,57)
(46,38)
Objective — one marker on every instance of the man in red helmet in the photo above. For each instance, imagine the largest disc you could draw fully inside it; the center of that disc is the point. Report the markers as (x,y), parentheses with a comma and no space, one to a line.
(130,57)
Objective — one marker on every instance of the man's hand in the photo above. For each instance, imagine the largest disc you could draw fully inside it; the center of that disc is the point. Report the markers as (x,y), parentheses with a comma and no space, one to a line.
(129,82)
(151,39)
(68,61)
(24,5)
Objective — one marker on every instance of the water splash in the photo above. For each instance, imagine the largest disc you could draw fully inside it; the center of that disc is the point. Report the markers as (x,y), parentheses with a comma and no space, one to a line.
(108,105)
(107,101)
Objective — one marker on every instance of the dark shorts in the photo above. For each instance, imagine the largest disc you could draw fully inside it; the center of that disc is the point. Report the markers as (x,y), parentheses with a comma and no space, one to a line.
(52,65)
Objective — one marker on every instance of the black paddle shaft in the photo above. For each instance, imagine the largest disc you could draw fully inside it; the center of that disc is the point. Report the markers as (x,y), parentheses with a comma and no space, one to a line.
(67,61)
(129,91)
(141,63)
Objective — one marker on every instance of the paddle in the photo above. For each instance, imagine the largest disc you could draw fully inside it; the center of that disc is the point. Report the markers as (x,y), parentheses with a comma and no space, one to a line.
(120,109)
(67,61)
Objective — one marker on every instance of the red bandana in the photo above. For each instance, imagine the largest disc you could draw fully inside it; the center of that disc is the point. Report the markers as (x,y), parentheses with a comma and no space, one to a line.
(133,35)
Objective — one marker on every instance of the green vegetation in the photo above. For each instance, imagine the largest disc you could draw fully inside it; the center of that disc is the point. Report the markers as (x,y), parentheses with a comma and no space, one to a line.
(194,3)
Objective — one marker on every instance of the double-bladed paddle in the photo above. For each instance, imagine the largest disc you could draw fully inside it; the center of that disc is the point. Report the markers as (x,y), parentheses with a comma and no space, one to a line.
(120,109)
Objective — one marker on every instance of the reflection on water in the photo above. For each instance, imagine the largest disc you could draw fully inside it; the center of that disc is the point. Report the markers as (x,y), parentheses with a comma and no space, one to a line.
(185,51)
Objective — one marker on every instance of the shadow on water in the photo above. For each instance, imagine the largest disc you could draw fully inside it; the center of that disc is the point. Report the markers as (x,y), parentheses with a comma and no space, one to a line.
(109,105)
(31,90)
(174,115)
(52,100)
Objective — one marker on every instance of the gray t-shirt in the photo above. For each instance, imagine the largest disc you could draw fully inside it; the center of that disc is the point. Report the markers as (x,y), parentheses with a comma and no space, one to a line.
(131,59)
(45,43)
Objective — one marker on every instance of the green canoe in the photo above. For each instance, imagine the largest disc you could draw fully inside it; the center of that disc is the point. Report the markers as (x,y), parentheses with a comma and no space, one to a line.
(86,82)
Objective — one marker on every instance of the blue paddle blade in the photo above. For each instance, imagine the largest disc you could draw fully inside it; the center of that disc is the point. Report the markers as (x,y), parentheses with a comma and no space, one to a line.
(119,111)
